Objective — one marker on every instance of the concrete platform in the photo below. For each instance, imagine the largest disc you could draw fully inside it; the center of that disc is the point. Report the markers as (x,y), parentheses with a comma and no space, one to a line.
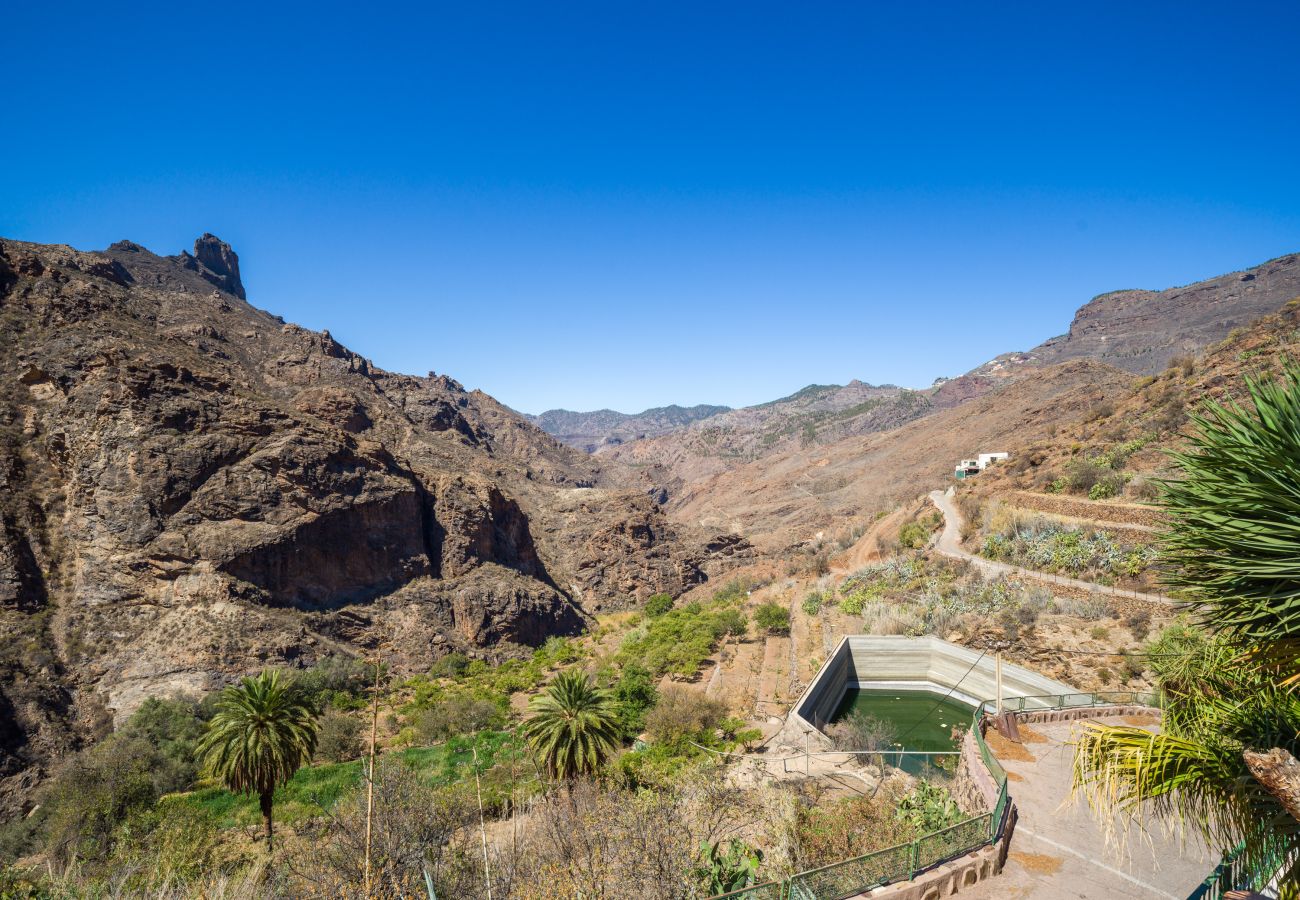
(1059,849)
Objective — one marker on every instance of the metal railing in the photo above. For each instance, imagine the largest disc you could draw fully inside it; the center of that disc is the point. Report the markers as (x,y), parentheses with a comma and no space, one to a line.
(905,861)
(1237,872)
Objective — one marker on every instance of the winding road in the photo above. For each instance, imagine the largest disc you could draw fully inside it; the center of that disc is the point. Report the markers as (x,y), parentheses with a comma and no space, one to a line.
(949,544)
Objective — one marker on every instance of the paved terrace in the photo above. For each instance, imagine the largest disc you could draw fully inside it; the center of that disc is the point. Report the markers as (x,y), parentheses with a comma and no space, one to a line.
(1058,849)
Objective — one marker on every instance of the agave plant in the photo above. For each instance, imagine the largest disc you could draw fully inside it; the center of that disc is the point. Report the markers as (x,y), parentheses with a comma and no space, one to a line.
(1224,761)
(573,725)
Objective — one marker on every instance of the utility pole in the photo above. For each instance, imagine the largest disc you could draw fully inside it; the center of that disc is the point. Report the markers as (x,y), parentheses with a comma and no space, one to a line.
(482,829)
(370,779)
(999,677)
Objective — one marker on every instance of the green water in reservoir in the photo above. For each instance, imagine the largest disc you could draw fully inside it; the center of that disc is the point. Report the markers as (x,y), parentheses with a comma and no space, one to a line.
(920,719)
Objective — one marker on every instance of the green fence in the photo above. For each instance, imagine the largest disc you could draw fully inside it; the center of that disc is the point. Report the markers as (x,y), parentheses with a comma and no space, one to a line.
(1236,872)
(906,861)
(773,890)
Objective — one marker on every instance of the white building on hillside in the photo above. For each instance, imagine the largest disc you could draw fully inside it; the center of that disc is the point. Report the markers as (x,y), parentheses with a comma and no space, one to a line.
(968,467)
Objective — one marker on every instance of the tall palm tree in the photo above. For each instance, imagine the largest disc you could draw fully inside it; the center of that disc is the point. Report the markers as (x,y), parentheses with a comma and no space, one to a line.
(573,725)
(263,732)
(1224,760)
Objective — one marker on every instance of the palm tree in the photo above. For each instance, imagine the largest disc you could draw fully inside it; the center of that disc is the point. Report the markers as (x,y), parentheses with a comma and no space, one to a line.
(573,725)
(263,732)
(1224,759)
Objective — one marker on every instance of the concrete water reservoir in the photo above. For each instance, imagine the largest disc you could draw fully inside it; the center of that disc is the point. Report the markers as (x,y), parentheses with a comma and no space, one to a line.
(924,664)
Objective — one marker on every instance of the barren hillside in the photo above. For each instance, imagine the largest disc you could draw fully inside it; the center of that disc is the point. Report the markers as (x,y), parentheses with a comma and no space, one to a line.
(787,497)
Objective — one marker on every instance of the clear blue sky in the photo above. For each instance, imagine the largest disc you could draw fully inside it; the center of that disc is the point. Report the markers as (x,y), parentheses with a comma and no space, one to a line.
(614,204)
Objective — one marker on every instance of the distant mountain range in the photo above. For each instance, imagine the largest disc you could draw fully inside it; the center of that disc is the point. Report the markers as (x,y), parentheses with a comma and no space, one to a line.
(590,431)
(1138,331)
(776,470)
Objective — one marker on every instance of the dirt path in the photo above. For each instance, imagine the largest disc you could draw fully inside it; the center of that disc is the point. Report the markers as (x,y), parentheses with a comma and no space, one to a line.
(949,544)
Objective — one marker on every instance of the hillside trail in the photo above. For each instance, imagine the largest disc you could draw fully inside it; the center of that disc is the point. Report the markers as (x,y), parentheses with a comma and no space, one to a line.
(949,544)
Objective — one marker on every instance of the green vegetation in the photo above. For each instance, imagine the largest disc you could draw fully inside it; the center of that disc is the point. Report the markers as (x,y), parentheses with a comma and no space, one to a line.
(813,602)
(1046,545)
(772,618)
(316,790)
(1223,762)
(658,604)
(263,731)
(573,725)
(916,534)
(1101,475)
(681,639)
(914,595)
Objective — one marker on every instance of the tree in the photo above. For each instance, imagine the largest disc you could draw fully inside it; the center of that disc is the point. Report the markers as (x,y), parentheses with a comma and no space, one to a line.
(573,725)
(264,730)
(772,618)
(1224,758)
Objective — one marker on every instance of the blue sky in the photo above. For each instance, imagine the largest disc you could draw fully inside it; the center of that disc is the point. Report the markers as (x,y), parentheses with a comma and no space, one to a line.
(626,205)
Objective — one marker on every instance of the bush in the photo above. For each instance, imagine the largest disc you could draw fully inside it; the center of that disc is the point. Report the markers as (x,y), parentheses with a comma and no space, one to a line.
(339,737)
(682,715)
(658,604)
(1183,363)
(455,716)
(453,665)
(634,694)
(96,791)
(1139,624)
(854,603)
(341,681)
(913,535)
(861,731)
(812,604)
(772,618)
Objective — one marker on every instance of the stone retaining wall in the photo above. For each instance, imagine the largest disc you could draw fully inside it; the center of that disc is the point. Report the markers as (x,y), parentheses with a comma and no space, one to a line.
(1079,508)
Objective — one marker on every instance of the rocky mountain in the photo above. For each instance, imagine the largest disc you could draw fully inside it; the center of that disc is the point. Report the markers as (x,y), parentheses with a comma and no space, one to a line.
(785,498)
(194,489)
(590,431)
(814,416)
(1137,331)
(1140,331)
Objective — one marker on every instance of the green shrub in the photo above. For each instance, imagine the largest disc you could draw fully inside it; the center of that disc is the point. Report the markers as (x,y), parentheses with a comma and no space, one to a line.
(455,716)
(341,681)
(681,639)
(658,604)
(453,665)
(634,694)
(812,604)
(1102,490)
(854,603)
(913,535)
(339,737)
(772,618)
(683,715)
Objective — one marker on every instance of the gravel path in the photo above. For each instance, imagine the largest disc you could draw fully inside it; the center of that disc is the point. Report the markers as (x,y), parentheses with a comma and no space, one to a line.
(949,544)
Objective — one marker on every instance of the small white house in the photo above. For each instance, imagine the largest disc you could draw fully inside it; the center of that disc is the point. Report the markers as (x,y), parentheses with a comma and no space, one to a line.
(986,458)
(968,467)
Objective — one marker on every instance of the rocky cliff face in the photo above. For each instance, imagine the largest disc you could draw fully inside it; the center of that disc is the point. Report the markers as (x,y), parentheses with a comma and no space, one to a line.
(193,489)
(1140,331)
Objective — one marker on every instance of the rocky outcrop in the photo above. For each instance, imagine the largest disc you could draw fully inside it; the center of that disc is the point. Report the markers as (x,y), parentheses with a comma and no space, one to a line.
(194,489)
(215,261)
(1140,331)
